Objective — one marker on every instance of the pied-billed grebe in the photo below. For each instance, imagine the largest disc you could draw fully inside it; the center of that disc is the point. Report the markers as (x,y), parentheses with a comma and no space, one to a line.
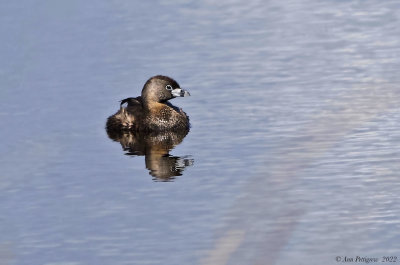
(152,111)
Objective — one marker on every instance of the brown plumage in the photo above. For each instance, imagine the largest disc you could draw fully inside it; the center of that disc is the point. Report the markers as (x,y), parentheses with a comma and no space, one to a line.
(152,111)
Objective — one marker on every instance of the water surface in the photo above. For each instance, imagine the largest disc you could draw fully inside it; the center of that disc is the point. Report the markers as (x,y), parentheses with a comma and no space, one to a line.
(293,154)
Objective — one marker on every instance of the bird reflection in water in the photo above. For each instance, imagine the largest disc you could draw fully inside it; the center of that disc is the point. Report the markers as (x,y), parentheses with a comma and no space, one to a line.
(155,147)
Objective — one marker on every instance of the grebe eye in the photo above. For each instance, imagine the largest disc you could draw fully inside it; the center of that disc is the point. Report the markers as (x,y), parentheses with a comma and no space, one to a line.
(168,87)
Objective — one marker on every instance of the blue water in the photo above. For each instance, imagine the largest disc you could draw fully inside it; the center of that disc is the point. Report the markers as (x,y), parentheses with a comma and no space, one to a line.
(293,153)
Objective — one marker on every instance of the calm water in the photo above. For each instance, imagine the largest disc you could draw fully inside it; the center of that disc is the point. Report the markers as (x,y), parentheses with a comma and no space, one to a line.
(293,156)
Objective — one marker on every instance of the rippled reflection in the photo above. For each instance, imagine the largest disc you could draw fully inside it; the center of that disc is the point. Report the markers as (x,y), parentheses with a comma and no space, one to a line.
(155,147)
